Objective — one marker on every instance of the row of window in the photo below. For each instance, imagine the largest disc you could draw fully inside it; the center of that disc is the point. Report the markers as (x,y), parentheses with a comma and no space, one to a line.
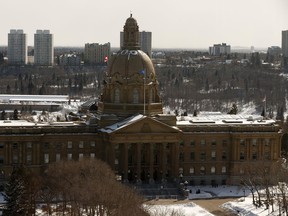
(46,145)
(47,157)
(203,156)
(214,142)
(202,170)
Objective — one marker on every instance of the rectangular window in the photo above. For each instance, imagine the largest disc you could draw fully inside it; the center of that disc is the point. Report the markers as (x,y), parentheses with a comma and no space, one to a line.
(92,144)
(224,155)
(181,156)
(81,144)
(191,171)
(254,142)
(15,145)
(1,160)
(224,143)
(29,158)
(69,156)
(267,142)
(1,145)
(46,145)
(203,156)
(29,145)
(58,146)
(15,158)
(69,145)
(192,143)
(46,158)
(58,157)
(92,155)
(203,142)
(242,142)
(254,155)
(242,156)
(81,155)
(213,143)
(213,155)
(223,169)
(192,155)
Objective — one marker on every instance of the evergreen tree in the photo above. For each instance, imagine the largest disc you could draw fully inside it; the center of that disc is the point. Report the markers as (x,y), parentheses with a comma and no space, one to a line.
(14,193)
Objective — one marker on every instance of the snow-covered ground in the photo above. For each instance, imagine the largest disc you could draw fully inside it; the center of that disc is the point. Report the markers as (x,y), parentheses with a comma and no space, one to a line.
(241,206)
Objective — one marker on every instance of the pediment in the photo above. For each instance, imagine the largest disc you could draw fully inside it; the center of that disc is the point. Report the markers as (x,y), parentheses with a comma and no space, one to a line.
(144,125)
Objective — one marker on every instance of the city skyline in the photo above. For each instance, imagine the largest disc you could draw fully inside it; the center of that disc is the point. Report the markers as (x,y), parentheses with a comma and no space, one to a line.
(182,24)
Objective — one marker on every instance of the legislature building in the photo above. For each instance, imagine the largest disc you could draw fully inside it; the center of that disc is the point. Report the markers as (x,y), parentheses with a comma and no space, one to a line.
(137,139)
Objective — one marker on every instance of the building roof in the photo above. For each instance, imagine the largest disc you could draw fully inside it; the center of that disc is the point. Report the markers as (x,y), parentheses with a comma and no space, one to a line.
(6,98)
(217,118)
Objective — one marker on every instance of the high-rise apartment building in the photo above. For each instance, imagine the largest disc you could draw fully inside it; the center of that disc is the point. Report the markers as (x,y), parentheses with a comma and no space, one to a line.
(285,43)
(95,53)
(43,48)
(17,47)
(145,40)
(220,49)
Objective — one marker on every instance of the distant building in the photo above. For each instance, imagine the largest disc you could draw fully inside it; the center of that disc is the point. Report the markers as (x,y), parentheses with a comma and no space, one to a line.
(17,47)
(145,42)
(274,50)
(220,49)
(69,59)
(285,43)
(43,48)
(95,53)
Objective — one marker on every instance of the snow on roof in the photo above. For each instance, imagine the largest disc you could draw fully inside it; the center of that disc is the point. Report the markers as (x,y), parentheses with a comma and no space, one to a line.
(125,122)
(18,123)
(217,118)
(50,98)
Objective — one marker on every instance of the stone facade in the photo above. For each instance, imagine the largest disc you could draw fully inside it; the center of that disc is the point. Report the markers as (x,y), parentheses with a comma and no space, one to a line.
(138,141)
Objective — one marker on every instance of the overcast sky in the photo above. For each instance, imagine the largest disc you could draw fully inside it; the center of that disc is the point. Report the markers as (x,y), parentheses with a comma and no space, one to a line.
(173,23)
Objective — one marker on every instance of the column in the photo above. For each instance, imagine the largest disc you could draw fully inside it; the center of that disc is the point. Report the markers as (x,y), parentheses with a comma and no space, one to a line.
(112,156)
(163,169)
(175,160)
(138,162)
(125,161)
(151,163)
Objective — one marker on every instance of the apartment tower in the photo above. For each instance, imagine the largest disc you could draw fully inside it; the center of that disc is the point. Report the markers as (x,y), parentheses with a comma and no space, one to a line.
(285,43)
(43,48)
(17,47)
(97,54)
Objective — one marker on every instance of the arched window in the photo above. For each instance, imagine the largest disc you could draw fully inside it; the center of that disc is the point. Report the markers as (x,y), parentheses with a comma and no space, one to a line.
(135,96)
(117,96)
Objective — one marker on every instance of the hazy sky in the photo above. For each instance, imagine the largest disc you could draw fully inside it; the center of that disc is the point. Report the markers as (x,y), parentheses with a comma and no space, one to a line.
(173,23)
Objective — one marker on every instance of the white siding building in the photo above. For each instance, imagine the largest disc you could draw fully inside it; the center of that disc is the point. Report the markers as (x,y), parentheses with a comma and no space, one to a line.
(43,48)
(17,47)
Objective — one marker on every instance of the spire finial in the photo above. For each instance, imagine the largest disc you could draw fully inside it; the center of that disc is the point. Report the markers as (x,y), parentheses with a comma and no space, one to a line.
(130,13)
